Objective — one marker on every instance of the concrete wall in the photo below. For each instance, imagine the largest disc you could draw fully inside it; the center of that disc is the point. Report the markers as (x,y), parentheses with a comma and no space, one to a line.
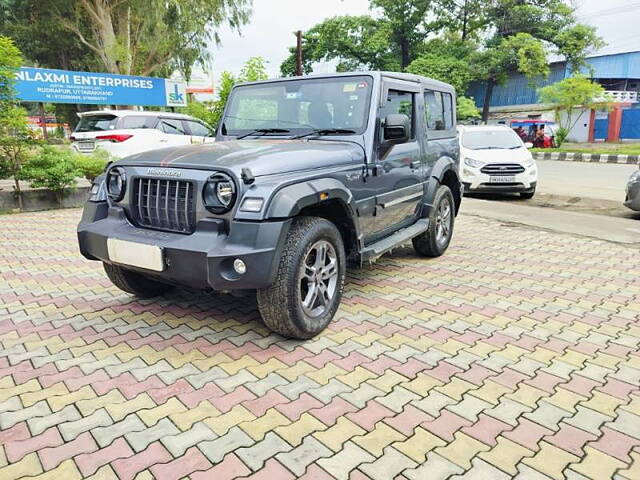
(34,200)
(580,133)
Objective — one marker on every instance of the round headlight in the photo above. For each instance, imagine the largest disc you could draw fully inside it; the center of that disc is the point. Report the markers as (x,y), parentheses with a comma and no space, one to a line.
(116,183)
(219,193)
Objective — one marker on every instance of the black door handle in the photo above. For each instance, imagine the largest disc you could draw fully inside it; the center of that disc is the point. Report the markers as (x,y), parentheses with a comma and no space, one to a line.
(416,164)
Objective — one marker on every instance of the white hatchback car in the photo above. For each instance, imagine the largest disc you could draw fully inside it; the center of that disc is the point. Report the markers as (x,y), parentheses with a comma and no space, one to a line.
(494,159)
(127,132)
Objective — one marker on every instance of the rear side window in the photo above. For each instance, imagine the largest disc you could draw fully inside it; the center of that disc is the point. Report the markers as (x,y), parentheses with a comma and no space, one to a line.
(197,129)
(134,121)
(439,110)
(96,123)
(399,103)
(172,126)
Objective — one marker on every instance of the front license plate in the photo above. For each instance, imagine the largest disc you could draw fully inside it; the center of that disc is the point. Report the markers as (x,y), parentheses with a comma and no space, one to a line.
(135,254)
(508,179)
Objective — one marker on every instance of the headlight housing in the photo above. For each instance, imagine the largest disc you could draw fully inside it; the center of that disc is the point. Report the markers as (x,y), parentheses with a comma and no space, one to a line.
(472,162)
(116,183)
(219,193)
(529,162)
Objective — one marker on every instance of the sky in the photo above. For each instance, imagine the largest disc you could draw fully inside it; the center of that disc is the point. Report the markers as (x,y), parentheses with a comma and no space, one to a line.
(271,29)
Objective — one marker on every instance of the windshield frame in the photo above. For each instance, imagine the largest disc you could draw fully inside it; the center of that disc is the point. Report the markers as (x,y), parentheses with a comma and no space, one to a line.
(518,143)
(224,131)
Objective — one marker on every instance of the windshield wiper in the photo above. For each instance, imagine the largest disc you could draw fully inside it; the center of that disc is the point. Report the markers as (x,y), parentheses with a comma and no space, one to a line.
(262,132)
(325,131)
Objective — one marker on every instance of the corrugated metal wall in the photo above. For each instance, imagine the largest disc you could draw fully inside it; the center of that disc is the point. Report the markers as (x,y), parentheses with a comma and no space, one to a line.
(518,91)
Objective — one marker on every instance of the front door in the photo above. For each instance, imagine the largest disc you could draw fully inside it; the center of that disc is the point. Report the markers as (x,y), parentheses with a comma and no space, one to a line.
(396,175)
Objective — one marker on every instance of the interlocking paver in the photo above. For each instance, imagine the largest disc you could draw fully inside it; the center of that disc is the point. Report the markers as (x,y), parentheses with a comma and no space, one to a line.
(516,355)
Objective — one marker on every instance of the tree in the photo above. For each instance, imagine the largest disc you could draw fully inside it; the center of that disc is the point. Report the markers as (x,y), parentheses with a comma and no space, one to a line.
(536,26)
(519,53)
(211,112)
(355,42)
(466,109)
(15,136)
(570,98)
(148,37)
(389,41)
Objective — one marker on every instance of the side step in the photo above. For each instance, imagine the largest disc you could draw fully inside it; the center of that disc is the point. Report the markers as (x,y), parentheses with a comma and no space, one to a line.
(374,251)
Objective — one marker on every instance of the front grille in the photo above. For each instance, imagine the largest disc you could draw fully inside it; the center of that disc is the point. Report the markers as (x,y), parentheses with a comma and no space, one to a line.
(502,169)
(164,204)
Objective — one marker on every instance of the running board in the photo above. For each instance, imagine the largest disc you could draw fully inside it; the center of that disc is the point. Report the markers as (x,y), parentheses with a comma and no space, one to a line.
(374,251)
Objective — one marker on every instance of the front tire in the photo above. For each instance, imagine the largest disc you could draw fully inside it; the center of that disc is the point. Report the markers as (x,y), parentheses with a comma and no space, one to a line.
(435,241)
(135,283)
(309,282)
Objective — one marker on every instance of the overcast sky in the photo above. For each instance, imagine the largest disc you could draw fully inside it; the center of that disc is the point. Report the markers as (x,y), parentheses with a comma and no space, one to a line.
(273,23)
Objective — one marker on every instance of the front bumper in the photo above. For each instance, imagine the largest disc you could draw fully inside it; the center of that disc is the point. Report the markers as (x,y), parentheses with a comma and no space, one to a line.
(476,181)
(201,260)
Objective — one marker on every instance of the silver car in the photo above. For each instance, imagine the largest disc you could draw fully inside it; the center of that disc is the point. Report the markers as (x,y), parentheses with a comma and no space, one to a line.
(633,192)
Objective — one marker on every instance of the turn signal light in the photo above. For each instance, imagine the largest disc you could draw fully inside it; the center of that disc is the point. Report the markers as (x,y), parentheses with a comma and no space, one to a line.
(116,138)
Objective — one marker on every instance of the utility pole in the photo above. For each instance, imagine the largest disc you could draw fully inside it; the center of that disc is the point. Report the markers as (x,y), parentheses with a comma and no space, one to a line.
(43,121)
(299,53)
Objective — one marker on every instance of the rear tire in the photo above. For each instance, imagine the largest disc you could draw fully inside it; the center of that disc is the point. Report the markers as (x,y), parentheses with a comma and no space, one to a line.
(309,282)
(435,241)
(527,195)
(135,283)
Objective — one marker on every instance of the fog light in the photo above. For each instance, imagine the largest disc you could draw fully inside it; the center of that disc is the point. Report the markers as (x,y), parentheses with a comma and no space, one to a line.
(239,266)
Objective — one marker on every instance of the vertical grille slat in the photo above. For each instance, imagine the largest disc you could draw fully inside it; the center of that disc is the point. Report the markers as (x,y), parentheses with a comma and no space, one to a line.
(164,204)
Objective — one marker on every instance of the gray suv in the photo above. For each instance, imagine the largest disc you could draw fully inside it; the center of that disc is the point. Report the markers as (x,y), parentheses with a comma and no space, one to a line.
(308,175)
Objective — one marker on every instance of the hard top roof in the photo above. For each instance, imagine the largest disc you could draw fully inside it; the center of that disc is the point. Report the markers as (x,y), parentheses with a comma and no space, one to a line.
(409,77)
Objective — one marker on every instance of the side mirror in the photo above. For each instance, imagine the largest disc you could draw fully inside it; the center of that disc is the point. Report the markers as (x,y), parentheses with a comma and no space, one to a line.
(397,128)
(528,145)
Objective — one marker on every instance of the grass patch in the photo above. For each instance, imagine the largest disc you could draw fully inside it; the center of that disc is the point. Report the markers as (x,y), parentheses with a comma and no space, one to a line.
(601,148)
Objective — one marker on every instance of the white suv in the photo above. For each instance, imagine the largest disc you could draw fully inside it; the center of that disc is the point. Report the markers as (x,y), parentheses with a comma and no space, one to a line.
(494,159)
(127,132)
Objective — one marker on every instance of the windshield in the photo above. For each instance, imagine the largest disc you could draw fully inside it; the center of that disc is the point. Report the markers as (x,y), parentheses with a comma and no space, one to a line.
(96,123)
(300,106)
(491,139)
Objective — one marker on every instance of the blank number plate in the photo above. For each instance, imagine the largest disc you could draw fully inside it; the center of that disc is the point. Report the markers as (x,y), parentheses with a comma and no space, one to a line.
(507,179)
(135,254)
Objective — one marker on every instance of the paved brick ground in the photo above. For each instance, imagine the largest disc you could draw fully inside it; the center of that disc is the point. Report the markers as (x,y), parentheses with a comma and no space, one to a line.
(516,355)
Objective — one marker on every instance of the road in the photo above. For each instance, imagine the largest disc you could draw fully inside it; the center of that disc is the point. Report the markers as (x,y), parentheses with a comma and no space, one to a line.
(579,179)
(514,355)
(573,197)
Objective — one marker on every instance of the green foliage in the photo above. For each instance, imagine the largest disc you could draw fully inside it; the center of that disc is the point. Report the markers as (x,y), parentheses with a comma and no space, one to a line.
(561,135)
(144,37)
(445,68)
(466,109)
(573,43)
(570,97)
(90,166)
(211,112)
(53,168)
(10,61)
(201,110)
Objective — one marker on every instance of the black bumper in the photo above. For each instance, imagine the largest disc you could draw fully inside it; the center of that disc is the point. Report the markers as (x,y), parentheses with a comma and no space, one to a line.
(498,188)
(201,260)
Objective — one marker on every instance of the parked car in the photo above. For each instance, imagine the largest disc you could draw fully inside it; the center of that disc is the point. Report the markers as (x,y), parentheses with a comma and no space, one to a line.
(632,199)
(308,174)
(494,159)
(127,132)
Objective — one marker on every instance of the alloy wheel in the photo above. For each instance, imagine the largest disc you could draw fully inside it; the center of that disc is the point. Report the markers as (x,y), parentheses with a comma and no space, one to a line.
(318,278)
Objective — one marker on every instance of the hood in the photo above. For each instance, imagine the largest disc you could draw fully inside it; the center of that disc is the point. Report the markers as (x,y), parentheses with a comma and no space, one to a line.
(498,155)
(263,157)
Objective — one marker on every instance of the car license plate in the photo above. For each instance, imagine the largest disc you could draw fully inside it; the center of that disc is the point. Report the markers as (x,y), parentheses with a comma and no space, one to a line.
(135,254)
(503,179)
(86,146)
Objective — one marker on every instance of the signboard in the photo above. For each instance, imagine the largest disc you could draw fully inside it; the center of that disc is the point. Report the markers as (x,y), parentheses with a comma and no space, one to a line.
(201,81)
(62,86)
